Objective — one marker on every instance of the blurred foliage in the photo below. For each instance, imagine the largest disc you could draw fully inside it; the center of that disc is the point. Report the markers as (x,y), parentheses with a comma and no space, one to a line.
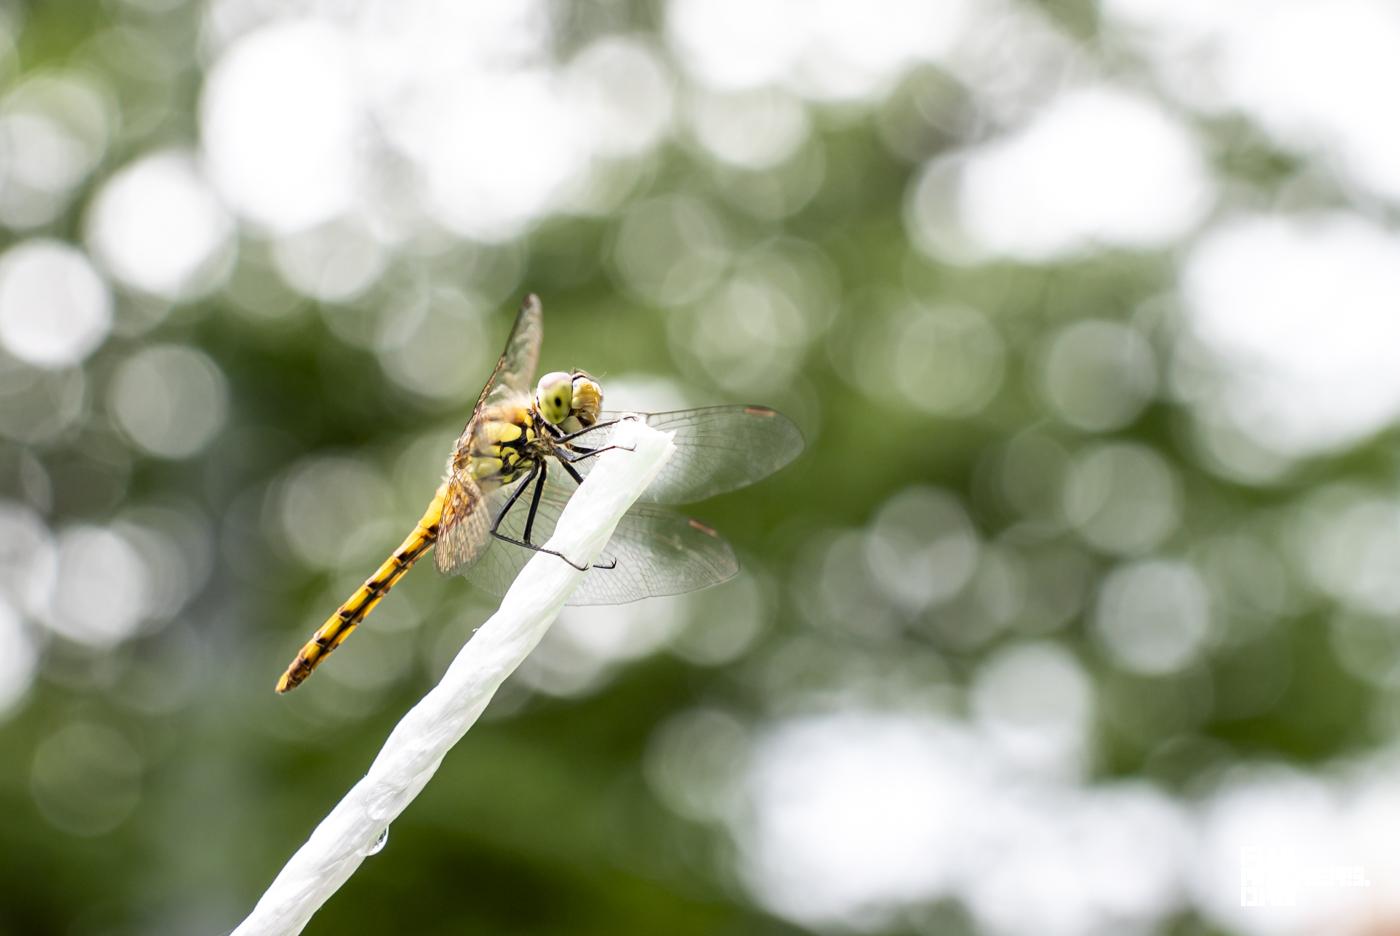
(994,524)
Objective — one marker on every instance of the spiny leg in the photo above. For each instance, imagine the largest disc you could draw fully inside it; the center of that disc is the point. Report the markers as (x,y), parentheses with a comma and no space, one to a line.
(587,429)
(577,455)
(535,499)
(514,496)
(567,463)
(573,472)
(531,546)
(538,469)
(578,478)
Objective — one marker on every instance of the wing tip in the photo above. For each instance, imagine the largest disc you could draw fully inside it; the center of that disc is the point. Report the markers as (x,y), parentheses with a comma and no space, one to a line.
(797,442)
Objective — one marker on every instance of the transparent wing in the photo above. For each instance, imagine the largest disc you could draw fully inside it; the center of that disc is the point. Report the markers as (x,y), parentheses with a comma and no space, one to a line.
(516,368)
(465,528)
(653,551)
(718,449)
(509,383)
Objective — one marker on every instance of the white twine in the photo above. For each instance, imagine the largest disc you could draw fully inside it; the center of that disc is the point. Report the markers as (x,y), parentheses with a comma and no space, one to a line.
(417,745)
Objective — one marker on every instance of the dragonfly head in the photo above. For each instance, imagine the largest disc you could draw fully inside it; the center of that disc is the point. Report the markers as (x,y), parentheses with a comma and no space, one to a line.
(570,401)
(554,397)
(588,399)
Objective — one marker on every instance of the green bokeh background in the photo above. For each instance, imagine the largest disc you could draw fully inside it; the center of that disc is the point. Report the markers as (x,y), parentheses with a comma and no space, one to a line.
(545,819)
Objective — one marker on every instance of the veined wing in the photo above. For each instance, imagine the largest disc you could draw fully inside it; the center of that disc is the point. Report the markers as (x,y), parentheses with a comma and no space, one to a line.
(509,383)
(516,367)
(466,523)
(653,551)
(718,449)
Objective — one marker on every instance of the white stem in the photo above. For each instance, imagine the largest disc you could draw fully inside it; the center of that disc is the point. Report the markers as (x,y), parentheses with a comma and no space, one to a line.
(424,736)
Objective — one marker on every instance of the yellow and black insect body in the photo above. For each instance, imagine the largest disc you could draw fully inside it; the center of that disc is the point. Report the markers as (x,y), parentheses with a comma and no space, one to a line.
(501,449)
(349,615)
(524,449)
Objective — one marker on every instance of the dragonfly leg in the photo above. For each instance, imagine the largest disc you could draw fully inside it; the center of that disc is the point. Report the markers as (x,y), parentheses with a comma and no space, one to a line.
(576,455)
(587,429)
(535,504)
(514,496)
(573,472)
(567,437)
(535,499)
(537,475)
(583,451)
(531,546)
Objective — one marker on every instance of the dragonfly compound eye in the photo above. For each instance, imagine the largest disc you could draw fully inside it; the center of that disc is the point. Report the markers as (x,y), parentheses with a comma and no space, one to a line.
(588,399)
(554,396)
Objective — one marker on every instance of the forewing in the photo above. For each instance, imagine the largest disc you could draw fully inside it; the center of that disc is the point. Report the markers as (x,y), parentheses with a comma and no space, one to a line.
(718,449)
(516,368)
(466,524)
(653,551)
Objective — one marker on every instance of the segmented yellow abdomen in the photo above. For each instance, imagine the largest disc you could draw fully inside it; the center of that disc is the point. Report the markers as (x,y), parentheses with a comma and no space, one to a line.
(349,615)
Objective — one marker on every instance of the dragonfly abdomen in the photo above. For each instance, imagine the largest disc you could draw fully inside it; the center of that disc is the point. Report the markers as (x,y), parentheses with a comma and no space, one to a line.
(349,615)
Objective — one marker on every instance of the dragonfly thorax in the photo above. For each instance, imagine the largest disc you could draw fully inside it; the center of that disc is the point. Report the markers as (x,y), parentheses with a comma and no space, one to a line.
(505,444)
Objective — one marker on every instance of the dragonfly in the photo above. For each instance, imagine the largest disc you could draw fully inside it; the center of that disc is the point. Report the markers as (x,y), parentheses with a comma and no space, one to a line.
(521,456)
